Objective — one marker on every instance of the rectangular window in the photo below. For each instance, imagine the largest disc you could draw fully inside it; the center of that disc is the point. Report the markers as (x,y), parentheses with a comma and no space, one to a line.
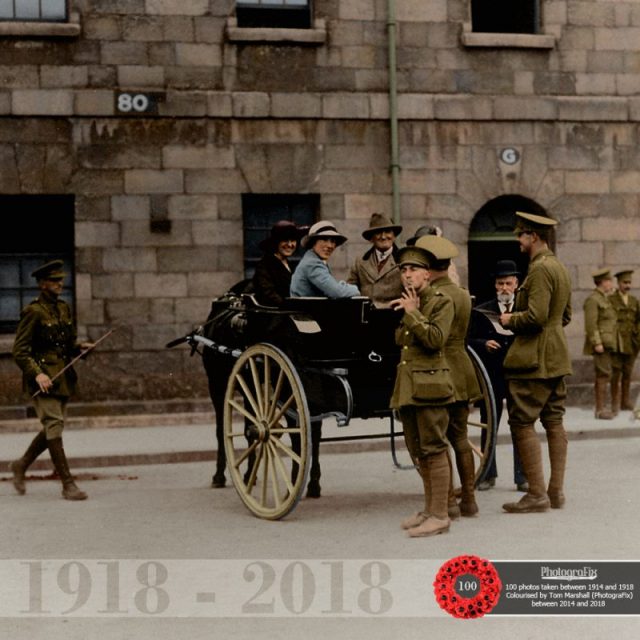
(289,14)
(42,230)
(34,10)
(505,16)
(261,211)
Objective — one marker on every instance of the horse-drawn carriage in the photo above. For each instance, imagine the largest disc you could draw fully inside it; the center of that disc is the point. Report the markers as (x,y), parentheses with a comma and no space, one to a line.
(283,368)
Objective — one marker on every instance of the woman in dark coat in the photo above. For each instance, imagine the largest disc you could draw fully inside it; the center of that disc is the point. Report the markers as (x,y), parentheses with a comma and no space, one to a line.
(272,277)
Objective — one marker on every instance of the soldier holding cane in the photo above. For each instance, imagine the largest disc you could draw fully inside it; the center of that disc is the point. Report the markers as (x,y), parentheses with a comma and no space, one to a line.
(44,347)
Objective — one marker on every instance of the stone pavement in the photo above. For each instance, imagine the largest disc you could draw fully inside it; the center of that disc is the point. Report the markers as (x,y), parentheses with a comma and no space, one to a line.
(188,437)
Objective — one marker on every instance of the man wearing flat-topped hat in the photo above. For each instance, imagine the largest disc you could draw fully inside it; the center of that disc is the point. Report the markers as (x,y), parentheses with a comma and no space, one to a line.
(45,344)
(537,363)
(624,356)
(376,273)
(465,382)
(600,329)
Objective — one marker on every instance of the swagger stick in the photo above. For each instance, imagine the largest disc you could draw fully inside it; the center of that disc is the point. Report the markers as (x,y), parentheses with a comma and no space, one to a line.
(80,355)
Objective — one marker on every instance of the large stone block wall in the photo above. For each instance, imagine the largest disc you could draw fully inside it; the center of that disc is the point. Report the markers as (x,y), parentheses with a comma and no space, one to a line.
(268,117)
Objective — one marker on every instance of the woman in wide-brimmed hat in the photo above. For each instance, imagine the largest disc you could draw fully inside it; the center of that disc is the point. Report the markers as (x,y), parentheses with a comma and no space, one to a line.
(376,273)
(272,277)
(313,276)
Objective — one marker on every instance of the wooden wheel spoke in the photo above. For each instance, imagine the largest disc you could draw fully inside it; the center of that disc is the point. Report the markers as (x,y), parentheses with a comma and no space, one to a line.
(290,452)
(274,398)
(240,409)
(481,425)
(275,485)
(257,385)
(281,467)
(285,430)
(248,395)
(476,449)
(283,409)
(265,474)
(254,471)
(247,452)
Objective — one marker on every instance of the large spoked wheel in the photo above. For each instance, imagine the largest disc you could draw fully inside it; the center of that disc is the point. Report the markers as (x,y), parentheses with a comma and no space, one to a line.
(482,419)
(267,432)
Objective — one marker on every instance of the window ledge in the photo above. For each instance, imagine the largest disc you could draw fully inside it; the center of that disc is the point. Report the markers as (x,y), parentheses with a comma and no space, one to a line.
(315,36)
(69,29)
(512,40)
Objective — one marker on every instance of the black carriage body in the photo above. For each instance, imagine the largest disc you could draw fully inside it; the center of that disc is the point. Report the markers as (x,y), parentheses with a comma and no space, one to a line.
(344,351)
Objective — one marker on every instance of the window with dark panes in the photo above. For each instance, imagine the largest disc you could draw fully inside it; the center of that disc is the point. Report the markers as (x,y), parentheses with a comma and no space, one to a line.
(42,229)
(505,16)
(261,211)
(291,14)
(34,10)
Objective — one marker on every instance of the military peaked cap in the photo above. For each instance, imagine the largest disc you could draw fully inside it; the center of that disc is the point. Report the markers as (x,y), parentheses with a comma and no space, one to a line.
(440,247)
(602,274)
(415,256)
(623,273)
(49,271)
(532,222)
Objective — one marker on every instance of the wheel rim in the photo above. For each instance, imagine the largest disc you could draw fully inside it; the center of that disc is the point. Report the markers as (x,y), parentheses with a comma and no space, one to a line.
(267,432)
(476,425)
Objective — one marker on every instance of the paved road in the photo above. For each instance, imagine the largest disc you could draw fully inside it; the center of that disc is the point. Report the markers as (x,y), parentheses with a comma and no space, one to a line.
(204,540)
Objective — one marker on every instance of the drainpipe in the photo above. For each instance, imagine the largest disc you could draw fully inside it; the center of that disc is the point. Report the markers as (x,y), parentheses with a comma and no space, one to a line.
(393,112)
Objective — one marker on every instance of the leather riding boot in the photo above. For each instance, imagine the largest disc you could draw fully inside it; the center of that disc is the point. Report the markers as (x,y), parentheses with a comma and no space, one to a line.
(466,469)
(615,392)
(535,499)
(626,403)
(419,517)
(453,508)
(19,467)
(69,489)
(601,399)
(557,443)
(437,467)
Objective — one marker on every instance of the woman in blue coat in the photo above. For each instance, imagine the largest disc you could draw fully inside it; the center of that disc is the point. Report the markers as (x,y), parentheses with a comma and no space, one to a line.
(312,277)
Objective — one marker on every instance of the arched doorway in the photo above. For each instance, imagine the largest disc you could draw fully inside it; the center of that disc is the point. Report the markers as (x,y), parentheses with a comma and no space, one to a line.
(491,239)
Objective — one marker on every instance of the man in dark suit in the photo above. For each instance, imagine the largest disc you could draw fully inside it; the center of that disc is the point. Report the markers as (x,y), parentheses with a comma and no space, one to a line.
(491,341)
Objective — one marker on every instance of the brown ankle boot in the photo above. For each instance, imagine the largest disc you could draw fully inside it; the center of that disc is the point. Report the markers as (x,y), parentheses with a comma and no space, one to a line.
(557,443)
(19,467)
(466,469)
(535,499)
(70,490)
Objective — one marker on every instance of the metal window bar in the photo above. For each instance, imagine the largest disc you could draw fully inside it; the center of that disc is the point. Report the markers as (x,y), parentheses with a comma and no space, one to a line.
(34,10)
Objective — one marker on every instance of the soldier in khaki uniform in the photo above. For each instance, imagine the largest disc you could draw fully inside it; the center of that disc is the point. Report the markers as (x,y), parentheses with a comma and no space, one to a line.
(45,343)
(376,273)
(623,358)
(537,363)
(600,327)
(423,387)
(466,388)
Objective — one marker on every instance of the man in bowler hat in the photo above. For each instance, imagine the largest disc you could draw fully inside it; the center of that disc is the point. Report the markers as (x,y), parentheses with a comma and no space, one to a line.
(491,342)
(45,344)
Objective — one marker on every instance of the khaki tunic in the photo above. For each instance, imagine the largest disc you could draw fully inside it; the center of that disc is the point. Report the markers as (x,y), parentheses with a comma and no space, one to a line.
(464,375)
(600,323)
(46,343)
(542,309)
(628,315)
(383,286)
(422,335)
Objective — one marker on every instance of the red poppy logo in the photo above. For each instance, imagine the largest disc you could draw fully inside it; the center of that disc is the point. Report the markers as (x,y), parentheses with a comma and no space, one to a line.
(467,587)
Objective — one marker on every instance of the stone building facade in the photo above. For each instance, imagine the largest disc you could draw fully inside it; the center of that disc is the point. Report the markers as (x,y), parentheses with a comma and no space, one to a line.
(158,117)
